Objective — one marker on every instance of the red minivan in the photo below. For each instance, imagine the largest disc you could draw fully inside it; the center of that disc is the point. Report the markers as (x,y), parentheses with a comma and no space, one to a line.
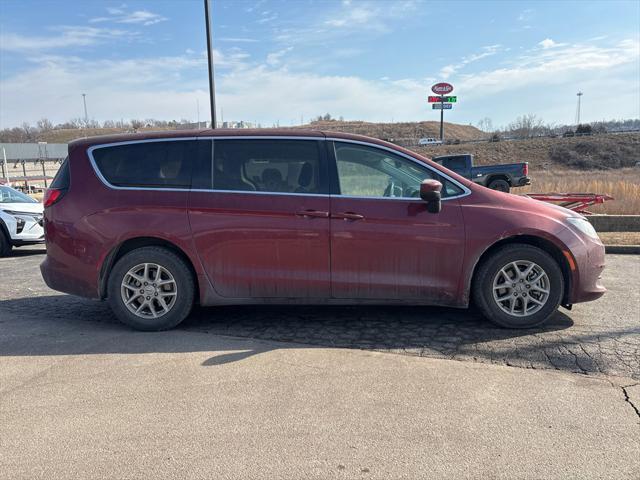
(157,221)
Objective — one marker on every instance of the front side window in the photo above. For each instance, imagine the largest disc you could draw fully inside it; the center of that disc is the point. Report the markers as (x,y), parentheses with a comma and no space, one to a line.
(365,171)
(156,164)
(276,166)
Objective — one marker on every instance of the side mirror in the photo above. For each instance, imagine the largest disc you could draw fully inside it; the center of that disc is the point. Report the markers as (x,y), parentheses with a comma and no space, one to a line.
(430,193)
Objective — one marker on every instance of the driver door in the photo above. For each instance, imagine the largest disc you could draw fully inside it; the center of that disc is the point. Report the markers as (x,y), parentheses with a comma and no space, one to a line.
(384,243)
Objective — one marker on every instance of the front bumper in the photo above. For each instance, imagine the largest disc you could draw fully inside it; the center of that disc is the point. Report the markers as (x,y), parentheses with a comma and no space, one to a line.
(590,262)
(24,229)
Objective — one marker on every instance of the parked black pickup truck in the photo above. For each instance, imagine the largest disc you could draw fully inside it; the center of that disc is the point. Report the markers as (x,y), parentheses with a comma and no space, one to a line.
(498,177)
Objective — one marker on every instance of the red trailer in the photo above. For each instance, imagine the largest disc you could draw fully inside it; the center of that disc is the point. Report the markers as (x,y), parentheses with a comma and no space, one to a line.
(578,202)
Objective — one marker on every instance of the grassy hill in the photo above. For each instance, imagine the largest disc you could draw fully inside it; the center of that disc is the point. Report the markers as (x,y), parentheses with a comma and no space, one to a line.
(581,153)
(379,130)
(400,130)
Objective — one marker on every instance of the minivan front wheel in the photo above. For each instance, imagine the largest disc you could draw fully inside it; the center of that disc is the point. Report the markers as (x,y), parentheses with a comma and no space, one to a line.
(151,289)
(519,286)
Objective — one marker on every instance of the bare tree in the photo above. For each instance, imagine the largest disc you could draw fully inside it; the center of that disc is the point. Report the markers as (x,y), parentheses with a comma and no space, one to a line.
(486,125)
(29,132)
(44,125)
(527,126)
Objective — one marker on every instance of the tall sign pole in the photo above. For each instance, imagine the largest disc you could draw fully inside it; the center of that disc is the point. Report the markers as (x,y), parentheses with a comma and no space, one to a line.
(212,90)
(442,119)
(442,102)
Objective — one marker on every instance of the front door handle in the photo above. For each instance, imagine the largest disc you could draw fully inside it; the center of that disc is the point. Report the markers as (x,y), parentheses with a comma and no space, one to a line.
(349,216)
(312,214)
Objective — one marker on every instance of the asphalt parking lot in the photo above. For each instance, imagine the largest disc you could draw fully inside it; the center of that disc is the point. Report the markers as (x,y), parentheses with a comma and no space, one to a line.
(597,338)
(308,392)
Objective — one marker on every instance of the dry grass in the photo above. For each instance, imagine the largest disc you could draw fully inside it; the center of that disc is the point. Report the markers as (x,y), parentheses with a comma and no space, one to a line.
(399,130)
(622,184)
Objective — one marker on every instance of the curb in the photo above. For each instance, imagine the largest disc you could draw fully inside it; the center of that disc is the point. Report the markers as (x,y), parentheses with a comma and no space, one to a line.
(623,249)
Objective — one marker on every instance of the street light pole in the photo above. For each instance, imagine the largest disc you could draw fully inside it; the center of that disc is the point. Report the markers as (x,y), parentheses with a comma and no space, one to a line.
(84,101)
(212,91)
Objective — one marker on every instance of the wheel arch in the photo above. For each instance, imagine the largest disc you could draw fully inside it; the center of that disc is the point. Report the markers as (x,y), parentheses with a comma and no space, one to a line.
(498,176)
(542,243)
(134,243)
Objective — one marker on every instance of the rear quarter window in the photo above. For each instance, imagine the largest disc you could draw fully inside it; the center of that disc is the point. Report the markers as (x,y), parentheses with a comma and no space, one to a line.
(156,164)
(61,180)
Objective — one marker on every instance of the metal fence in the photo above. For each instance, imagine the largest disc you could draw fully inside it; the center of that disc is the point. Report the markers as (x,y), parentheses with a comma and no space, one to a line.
(30,165)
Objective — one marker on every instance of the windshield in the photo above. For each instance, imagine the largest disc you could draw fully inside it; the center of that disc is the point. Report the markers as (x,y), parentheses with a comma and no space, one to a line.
(9,195)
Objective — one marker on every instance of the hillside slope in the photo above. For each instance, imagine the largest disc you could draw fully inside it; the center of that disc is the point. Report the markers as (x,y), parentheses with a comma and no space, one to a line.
(596,152)
(379,130)
(400,130)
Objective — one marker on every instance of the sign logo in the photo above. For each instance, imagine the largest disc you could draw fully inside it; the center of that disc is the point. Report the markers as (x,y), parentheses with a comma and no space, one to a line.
(442,88)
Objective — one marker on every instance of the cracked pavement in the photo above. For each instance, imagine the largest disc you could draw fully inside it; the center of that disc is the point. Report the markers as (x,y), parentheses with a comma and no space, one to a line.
(597,338)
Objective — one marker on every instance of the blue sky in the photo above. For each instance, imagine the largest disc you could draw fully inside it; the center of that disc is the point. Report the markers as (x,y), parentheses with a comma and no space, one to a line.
(283,61)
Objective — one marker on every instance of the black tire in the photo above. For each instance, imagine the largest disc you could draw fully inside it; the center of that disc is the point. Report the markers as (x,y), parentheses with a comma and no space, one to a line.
(185,288)
(482,288)
(499,184)
(5,244)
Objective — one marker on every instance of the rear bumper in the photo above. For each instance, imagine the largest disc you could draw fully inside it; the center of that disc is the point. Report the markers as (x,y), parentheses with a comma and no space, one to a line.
(590,262)
(61,278)
(524,181)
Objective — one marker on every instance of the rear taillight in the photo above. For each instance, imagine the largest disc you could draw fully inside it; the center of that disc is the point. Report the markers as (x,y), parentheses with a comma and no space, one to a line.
(52,195)
(525,169)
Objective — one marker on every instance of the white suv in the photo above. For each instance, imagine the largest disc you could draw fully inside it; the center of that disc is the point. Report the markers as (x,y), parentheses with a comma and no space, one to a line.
(20,220)
(429,141)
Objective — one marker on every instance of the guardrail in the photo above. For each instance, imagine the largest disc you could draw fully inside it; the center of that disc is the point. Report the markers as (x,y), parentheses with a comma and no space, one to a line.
(615,223)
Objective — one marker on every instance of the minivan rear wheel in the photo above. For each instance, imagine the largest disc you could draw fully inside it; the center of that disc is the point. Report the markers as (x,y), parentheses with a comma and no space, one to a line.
(518,286)
(151,289)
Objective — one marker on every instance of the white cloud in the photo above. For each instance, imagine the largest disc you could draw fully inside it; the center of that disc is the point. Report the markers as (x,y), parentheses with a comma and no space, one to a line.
(66,36)
(275,58)
(487,51)
(237,39)
(167,88)
(137,17)
(525,15)
(564,64)
(548,43)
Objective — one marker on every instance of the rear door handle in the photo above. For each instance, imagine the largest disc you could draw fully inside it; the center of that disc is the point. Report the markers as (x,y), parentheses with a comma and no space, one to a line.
(349,216)
(312,214)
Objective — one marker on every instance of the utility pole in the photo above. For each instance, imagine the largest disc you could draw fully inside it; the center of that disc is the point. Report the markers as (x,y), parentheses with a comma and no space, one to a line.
(84,101)
(212,90)
(5,167)
(198,110)
(579,94)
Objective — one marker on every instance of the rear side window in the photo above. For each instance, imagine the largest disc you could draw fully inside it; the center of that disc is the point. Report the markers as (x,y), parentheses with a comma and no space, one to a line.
(280,166)
(61,180)
(157,164)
